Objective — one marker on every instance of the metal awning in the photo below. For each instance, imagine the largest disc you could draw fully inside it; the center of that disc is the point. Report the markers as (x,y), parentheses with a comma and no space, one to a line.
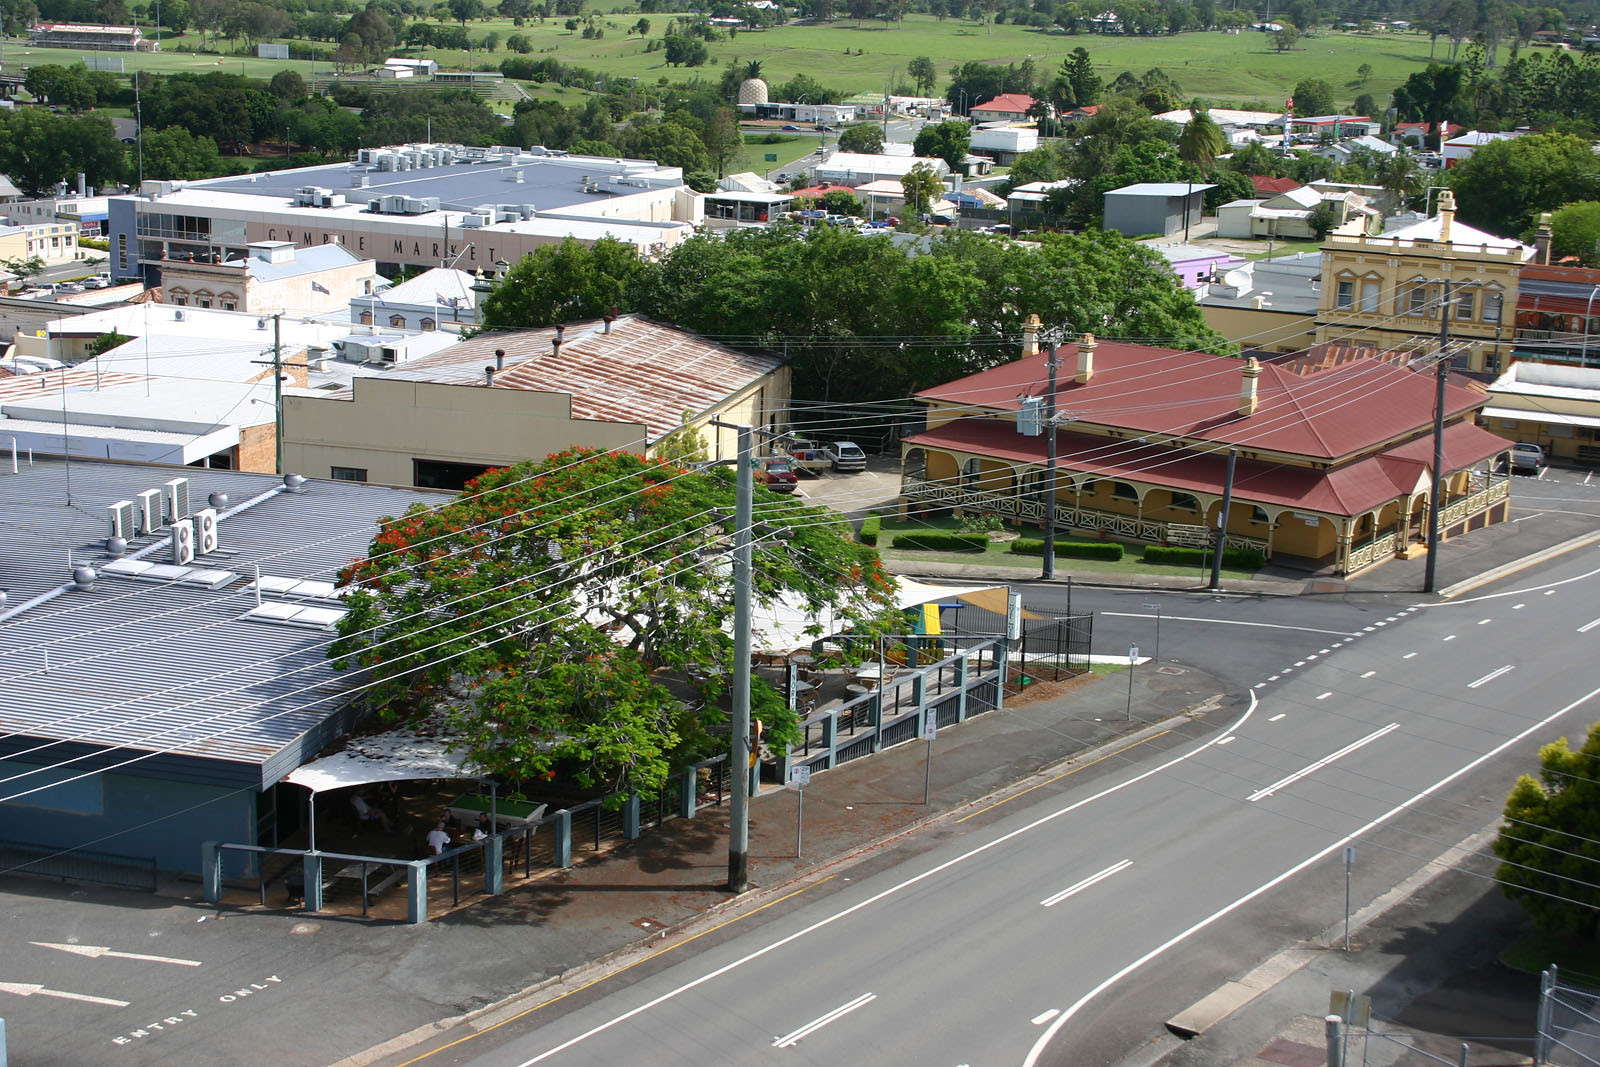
(1548,418)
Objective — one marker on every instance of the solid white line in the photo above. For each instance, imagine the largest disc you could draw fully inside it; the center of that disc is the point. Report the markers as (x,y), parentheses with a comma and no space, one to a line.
(1266,887)
(1224,622)
(1491,676)
(1409,655)
(885,894)
(1225,741)
(1321,763)
(1369,674)
(1045,1016)
(1078,887)
(1278,716)
(1549,589)
(1586,627)
(792,1039)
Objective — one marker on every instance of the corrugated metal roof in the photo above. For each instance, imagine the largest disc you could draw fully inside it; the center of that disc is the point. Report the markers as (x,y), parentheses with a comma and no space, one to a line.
(641,372)
(153,667)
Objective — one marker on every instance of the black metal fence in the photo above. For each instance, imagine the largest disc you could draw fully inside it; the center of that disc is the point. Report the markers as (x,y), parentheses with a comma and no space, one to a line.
(1053,649)
(78,865)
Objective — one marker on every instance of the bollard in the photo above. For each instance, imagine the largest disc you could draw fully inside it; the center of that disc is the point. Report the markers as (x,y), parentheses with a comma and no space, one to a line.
(417,892)
(686,793)
(563,844)
(211,871)
(1333,1028)
(630,816)
(313,876)
(494,869)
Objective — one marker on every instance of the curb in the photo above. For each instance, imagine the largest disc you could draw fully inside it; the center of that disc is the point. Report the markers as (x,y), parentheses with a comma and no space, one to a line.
(1093,580)
(1531,560)
(515,1004)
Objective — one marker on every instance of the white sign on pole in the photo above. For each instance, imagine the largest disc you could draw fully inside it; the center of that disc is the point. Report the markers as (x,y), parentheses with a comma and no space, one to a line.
(800,774)
(930,728)
(1014,617)
(1133,654)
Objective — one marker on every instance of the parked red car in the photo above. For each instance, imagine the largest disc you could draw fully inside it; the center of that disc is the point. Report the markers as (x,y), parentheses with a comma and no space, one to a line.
(778,475)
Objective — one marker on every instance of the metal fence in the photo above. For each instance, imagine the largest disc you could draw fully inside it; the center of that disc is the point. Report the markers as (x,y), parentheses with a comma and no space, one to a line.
(1053,649)
(78,865)
(1568,1033)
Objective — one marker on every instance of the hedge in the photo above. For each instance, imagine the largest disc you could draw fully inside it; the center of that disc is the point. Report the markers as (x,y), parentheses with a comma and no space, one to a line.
(869,529)
(1033,546)
(935,541)
(1182,555)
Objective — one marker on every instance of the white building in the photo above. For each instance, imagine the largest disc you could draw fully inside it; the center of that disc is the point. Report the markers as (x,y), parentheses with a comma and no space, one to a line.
(437,299)
(858,168)
(1004,144)
(1458,148)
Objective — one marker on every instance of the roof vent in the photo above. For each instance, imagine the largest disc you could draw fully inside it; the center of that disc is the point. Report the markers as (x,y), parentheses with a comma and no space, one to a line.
(83,577)
(218,500)
(488,377)
(499,359)
(116,547)
(295,483)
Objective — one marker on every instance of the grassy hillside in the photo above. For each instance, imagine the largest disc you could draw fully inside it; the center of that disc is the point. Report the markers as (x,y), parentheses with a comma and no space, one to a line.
(1222,68)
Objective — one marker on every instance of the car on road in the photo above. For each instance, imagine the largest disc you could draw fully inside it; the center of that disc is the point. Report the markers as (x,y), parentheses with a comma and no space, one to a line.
(789,127)
(1527,458)
(777,474)
(845,456)
(782,177)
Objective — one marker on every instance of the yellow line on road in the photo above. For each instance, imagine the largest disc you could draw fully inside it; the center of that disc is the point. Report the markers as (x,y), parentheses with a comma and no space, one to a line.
(1063,774)
(612,974)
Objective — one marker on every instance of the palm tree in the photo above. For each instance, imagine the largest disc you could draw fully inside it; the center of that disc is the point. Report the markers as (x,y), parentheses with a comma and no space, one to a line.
(1398,176)
(1199,145)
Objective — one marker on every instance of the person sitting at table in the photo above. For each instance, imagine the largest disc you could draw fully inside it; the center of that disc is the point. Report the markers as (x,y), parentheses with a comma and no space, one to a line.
(482,830)
(438,839)
(367,813)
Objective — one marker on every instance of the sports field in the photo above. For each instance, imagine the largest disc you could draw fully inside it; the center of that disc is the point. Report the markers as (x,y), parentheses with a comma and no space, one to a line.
(1224,69)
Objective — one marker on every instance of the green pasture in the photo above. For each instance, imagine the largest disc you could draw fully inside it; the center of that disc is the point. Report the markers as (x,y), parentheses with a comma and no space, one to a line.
(1225,69)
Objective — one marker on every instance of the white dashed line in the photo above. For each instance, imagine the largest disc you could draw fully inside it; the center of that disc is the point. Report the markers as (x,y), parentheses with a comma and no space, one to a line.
(1369,674)
(1409,655)
(1325,696)
(1225,741)
(1300,663)
(1491,676)
(1484,622)
(1324,652)
(1452,637)
(1274,678)
(1278,716)
(1518,607)
(1586,627)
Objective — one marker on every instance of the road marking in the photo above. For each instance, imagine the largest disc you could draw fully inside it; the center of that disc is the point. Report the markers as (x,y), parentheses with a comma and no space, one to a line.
(1491,676)
(1368,629)
(1586,627)
(1290,779)
(1299,663)
(1484,622)
(1225,741)
(1586,478)
(1274,678)
(1324,652)
(1223,622)
(94,952)
(792,1039)
(881,895)
(1223,912)
(1549,592)
(1518,607)
(1309,658)
(1452,637)
(1278,716)
(1525,518)
(1369,674)
(1260,685)
(25,989)
(1325,696)
(1409,655)
(1045,1016)
(1384,622)
(1093,879)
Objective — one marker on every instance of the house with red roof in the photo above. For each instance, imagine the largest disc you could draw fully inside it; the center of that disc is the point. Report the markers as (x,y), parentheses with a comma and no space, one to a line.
(1268,186)
(1007,107)
(1333,457)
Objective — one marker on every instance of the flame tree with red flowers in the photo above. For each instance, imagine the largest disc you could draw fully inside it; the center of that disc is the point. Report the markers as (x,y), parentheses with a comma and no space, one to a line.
(541,611)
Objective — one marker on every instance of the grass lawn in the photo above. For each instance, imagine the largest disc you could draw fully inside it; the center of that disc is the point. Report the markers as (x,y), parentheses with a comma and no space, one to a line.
(999,554)
(1222,68)
(1285,247)
(791,149)
(1577,957)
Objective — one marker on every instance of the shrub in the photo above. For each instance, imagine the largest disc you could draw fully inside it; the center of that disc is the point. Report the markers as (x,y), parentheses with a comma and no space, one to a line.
(1106,550)
(936,541)
(870,526)
(1185,556)
(979,521)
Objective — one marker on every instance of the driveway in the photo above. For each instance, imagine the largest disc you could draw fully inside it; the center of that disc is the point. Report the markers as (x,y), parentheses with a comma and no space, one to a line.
(852,494)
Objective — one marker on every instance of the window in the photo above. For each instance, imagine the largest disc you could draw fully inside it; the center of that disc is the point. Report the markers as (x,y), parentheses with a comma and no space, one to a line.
(181,301)
(205,303)
(397,320)
(428,324)
(1258,515)
(228,305)
(1492,304)
(1464,305)
(1346,297)
(1369,295)
(1185,502)
(1123,491)
(366,318)
(348,474)
(442,474)
(1417,300)
(970,470)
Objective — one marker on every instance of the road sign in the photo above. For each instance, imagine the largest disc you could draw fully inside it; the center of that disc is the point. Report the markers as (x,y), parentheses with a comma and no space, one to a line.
(800,774)
(772,157)
(1133,654)
(1179,533)
(930,727)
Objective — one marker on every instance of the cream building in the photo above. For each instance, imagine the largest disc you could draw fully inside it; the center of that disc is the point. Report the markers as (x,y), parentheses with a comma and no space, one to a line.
(271,276)
(53,242)
(502,398)
(1387,291)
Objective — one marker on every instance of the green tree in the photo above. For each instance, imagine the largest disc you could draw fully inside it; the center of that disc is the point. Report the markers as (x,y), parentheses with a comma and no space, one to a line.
(840,202)
(923,187)
(1504,184)
(947,140)
(559,283)
(1363,75)
(39,149)
(669,143)
(288,86)
(1313,96)
(1550,841)
(864,137)
(1575,233)
(723,139)
(1078,72)
(538,613)
(176,154)
(1286,38)
(1200,144)
(65,87)
(924,76)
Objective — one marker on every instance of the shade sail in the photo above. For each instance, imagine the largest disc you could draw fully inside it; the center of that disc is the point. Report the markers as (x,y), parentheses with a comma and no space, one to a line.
(392,756)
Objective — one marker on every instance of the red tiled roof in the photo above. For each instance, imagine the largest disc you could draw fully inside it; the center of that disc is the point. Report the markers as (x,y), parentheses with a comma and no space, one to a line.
(1008,102)
(1272,186)
(817,192)
(1348,490)
(1328,415)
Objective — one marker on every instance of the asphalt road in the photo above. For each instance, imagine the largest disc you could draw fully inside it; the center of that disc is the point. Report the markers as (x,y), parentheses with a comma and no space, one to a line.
(1063,931)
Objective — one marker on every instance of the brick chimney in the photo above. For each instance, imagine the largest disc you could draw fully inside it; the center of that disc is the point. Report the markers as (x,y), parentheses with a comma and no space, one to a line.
(1247,388)
(1447,214)
(1030,336)
(1541,240)
(1086,347)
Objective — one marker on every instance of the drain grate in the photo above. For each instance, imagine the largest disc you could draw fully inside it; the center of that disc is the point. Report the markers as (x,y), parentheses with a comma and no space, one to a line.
(1172,670)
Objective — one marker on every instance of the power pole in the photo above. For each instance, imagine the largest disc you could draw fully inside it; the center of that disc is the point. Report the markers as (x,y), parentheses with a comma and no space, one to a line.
(277,388)
(1222,526)
(1434,503)
(739,808)
(1049,570)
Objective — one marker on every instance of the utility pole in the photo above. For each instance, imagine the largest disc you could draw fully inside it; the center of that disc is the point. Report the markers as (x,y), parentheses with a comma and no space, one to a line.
(739,807)
(277,387)
(1049,570)
(1222,522)
(1429,580)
